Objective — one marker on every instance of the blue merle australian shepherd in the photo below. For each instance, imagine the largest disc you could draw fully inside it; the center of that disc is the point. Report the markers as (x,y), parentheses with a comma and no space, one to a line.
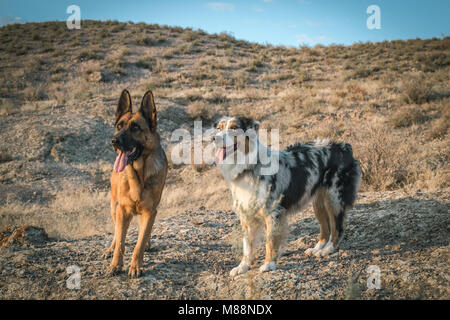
(265,194)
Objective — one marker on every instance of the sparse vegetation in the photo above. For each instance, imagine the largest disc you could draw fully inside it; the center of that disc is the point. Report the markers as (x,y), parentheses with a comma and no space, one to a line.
(59,90)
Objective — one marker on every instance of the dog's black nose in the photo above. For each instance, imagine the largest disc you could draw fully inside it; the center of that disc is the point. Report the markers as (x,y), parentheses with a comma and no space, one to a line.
(114,141)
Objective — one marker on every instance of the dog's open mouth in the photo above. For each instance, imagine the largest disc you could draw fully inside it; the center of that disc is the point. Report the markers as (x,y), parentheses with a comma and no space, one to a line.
(126,157)
(222,153)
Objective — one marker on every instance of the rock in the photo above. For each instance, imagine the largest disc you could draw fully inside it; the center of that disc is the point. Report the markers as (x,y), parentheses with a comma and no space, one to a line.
(95,76)
(28,235)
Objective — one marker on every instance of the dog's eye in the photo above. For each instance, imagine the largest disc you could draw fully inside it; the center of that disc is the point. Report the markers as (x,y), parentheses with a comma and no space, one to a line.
(135,127)
(120,125)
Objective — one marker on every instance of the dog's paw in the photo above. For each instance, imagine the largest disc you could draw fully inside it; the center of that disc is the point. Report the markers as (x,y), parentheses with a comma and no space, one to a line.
(113,270)
(268,266)
(315,250)
(309,251)
(321,250)
(107,253)
(326,250)
(134,271)
(240,269)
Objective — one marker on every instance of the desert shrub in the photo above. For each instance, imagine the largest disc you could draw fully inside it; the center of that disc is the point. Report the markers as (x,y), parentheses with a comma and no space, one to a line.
(35,93)
(146,62)
(6,107)
(115,61)
(361,72)
(302,76)
(189,35)
(442,124)
(241,79)
(383,158)
(144,40)
(200,110)
(88,55)
(416,90)
(160,38)
(254,65)
(430,62)
(193,95)
(56,69)
(407,116)
(357,92)
(216,97)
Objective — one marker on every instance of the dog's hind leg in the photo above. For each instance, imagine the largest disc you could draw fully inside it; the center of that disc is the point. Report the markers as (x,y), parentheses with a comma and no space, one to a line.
(276,231)
(338,198)
(321,214)
(333,210)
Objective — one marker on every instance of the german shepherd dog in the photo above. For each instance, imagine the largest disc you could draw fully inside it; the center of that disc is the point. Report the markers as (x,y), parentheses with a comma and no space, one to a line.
(137,180)
(322,172)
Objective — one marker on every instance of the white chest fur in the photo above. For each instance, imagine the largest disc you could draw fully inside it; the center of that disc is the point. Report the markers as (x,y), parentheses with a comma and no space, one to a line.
(248,194)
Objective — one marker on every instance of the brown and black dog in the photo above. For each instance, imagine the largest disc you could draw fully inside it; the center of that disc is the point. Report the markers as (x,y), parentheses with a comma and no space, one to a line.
(137,180)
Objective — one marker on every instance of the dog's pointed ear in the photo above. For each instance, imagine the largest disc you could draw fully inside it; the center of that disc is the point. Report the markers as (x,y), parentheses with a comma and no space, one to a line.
(124,105)
(249,123)
(148,110)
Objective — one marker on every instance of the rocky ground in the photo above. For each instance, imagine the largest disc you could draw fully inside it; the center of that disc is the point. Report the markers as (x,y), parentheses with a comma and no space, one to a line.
(405,235)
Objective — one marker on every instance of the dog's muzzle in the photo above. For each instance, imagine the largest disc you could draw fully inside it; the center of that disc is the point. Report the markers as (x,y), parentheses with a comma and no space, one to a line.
(225,145)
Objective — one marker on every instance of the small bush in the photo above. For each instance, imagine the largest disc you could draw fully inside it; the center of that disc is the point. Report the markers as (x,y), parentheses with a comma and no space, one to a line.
(200,110)
(302,76)
(146,62)
(88,55)
(416,91)
(383,158)
(407,116)
(360,73)
(143,40)
(35,93)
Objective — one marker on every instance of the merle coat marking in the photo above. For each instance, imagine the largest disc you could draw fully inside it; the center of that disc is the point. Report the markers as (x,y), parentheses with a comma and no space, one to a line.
(322,171)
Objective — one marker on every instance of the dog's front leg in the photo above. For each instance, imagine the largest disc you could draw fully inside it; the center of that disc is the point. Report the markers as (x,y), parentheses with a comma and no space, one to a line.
(276,227)
(147,218)
(248,252)
(113,208)
(122,222)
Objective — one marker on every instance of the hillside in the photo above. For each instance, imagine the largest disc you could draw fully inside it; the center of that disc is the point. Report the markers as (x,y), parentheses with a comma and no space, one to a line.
(59,90)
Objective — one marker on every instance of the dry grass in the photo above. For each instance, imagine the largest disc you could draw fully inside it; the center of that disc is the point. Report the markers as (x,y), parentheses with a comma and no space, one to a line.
(73,213)
(416,89)
(390,100)
(407,116)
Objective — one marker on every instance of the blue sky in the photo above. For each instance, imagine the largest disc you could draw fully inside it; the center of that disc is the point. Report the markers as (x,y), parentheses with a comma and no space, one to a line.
(285,22)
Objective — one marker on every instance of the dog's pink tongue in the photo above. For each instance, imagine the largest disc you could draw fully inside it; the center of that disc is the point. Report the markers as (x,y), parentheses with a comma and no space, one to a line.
(121,161)
(220,155)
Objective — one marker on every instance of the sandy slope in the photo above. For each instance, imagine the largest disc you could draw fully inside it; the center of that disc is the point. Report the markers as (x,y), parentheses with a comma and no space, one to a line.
(405,235)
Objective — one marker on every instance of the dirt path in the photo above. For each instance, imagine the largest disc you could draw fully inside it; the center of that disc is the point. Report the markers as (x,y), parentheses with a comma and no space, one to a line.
(405,236)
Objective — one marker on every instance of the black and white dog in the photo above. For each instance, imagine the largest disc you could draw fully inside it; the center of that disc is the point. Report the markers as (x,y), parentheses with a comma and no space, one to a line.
(267,185)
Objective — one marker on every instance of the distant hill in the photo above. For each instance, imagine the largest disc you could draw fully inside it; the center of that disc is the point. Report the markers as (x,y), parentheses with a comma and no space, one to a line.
(59,89)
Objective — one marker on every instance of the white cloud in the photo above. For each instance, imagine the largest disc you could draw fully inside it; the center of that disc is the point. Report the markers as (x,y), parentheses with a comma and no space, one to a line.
(9,19)
(220,6)
(314,24)
(304,39)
